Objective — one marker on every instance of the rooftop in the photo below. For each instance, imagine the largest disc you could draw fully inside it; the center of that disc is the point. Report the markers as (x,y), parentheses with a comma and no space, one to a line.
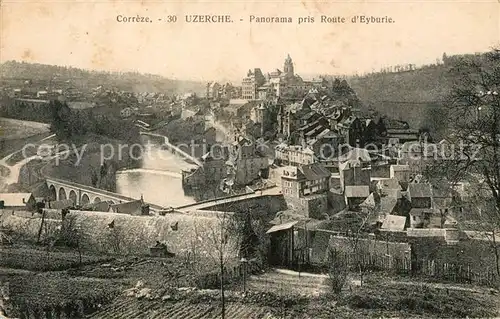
(315,171)
(361,191)
(15,199)
(419,190)
(394,223)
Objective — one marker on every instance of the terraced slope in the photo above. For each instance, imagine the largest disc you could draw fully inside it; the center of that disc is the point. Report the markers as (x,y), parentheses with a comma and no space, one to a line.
(282,281)
(130,307)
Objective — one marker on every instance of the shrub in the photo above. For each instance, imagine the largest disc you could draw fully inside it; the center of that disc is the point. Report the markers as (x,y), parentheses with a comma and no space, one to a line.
(337,271)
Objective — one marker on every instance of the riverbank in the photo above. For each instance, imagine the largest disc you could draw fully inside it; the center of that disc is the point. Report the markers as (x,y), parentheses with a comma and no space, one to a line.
(96,164)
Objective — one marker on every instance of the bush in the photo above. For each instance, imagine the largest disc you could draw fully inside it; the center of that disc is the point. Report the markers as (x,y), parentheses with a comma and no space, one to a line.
(337,271)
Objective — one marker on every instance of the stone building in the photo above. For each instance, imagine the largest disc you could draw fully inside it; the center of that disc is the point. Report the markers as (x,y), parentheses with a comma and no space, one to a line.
(305,189)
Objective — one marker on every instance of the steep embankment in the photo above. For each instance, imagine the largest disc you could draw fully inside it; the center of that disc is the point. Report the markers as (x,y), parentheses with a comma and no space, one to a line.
(417,97)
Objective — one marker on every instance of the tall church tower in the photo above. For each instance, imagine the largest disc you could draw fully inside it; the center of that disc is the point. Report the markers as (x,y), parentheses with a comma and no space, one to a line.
(288,67)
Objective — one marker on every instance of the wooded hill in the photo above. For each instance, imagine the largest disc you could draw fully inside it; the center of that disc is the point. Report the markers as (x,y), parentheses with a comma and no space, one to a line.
(127,81)
(416,96)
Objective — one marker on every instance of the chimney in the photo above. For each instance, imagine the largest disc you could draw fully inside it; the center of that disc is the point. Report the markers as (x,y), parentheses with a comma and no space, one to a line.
(145,209)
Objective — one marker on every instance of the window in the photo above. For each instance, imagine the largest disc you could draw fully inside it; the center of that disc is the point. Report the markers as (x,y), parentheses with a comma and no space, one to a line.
(414,218)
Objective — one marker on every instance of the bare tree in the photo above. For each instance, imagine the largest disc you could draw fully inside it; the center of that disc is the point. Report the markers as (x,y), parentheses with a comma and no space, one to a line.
(357,251)
(474,111)
(214,242)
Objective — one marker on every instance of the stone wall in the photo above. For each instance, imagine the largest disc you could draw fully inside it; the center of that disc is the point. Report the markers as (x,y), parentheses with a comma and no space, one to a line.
(264,206)
(126,234)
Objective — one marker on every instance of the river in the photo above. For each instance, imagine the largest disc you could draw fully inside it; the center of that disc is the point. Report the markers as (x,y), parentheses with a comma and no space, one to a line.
(159,180)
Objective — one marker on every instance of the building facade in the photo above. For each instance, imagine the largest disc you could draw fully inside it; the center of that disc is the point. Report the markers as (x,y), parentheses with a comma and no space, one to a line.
(251,83)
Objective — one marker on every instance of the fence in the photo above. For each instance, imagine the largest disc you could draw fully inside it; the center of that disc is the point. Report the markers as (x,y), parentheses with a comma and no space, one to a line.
(400,258)
(456,272)
(375,262)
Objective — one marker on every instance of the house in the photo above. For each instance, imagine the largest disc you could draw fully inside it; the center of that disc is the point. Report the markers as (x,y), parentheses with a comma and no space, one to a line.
(18,201)
(418,155)
(305,189)
(420,195)
(136,207)
(394,223)
(60,204)
(380,206)
(281,244)
(294,155)
(388,186)
(442,199)
(402,135)
(354,173)
(213,90)
(424,218)
(305,180)
(240,108)
(103,206)
(400,172)
(355,195)
(248,161)
(351,129)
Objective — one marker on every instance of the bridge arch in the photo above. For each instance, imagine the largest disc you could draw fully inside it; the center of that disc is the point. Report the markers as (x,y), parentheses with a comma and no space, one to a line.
(85,199)
(62,194)
(52,193)
(97,200)
(73,197)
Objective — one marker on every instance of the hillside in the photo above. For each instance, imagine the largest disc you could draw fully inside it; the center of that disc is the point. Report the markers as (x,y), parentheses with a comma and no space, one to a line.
(416,96)
(45,75)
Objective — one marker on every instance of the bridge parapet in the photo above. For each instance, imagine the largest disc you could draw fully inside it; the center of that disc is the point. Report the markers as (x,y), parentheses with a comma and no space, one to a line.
(174,149)
(83,194)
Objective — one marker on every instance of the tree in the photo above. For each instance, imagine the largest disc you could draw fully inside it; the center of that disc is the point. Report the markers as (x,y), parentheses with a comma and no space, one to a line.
(474,111)
(214,240)
(337,270)
(356,249)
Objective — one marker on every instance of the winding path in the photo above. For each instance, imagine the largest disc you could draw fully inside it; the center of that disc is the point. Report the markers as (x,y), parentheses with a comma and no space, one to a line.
(13,170)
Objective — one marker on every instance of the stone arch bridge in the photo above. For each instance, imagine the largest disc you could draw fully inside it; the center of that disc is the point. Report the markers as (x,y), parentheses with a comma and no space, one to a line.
(83,194)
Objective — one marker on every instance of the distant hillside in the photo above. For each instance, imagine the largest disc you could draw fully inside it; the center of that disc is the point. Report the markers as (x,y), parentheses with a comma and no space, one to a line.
(13,71)
(416,96)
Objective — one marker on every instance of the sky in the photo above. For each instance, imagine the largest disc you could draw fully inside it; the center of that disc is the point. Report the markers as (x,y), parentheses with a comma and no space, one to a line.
(86,34)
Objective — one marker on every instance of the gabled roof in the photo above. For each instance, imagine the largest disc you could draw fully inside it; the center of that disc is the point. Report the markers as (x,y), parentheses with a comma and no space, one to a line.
(15,199)
(103,206)
(394,223)
(61,204)
(370,201)
(284,226)
(315,171)
(132,207)
(393,193)
(360,191)
(419,190)
(387,204)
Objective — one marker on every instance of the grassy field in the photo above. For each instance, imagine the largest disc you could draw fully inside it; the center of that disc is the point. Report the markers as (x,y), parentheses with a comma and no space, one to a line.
(147,287)
(43,260)
(54,281)
(11,129)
